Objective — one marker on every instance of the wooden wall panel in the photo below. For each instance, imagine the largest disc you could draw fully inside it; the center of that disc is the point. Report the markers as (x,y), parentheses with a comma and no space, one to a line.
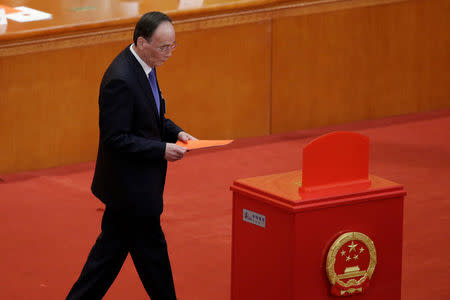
(217,82)
(360,63)
(48,106)
(432,60)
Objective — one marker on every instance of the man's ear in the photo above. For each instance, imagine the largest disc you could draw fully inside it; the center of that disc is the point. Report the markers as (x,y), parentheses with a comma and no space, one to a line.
(140,43)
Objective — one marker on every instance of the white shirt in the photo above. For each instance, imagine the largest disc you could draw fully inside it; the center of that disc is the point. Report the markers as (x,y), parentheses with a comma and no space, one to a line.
(144,66)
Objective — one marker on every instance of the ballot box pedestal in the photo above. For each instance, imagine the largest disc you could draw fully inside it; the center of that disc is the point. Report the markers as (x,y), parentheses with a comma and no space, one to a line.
(297,237)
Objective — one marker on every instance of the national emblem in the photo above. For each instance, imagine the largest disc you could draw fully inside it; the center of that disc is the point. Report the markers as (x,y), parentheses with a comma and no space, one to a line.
(350,264)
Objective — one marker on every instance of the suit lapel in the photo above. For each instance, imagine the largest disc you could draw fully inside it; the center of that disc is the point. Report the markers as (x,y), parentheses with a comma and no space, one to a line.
(143,82)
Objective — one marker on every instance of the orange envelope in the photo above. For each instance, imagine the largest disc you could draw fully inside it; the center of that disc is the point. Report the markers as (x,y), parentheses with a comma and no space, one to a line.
(192,144)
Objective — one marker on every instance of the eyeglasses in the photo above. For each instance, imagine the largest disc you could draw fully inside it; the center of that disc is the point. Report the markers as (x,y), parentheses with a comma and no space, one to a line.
(164,48)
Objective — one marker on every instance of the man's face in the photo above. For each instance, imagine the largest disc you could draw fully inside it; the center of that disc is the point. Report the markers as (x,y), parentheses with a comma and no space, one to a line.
(159,48)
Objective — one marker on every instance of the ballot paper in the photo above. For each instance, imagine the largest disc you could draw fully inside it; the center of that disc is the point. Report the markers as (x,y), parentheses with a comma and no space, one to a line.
(26,14)
(198,144)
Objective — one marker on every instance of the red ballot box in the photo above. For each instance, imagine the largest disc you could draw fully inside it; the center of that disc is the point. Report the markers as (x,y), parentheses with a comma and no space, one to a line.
(328,231)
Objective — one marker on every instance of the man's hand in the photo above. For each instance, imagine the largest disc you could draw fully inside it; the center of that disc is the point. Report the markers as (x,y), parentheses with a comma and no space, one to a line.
(184,137)
(174,152)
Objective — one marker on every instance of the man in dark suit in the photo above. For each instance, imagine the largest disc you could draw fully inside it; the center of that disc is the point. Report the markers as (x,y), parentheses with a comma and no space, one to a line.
(136,141)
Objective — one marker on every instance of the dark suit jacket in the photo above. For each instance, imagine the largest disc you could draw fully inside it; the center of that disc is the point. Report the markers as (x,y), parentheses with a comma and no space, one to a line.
(131,169)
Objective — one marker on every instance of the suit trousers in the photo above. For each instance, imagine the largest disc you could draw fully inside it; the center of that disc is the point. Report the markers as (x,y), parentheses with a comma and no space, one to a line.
(121,234)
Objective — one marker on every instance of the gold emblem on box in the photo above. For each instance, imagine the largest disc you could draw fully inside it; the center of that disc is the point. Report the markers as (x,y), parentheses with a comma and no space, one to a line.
(351,262)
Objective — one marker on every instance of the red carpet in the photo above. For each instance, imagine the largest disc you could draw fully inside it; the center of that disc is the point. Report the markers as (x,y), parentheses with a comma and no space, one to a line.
(49,219)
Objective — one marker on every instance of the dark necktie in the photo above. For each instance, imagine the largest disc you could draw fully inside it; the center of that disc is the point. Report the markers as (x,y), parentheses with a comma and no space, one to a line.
(152,79)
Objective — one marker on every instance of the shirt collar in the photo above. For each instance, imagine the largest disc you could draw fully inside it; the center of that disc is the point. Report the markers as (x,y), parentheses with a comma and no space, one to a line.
(144,66)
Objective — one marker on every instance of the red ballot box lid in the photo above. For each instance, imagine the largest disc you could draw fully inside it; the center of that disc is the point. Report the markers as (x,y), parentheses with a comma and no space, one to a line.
(335,171)
(335,159)
(282,190)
